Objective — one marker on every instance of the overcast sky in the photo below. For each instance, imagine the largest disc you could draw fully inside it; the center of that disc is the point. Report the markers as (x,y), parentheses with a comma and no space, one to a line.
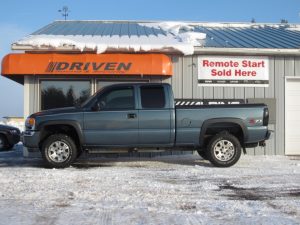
(20,18)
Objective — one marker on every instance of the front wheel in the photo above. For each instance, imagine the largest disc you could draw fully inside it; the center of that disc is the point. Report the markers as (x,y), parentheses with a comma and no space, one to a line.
(59,151)
(223,150)
(2,143)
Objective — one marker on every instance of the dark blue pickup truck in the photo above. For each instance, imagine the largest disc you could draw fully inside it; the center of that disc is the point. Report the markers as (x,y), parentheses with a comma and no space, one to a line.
(139,117)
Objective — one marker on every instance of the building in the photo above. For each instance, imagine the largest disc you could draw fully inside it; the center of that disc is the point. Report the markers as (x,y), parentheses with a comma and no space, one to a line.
(66,61)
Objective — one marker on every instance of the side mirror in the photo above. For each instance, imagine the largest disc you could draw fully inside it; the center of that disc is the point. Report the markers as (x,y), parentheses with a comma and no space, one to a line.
(96,107)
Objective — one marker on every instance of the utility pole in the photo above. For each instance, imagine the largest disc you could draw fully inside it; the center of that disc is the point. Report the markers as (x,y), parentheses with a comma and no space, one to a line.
(64,12)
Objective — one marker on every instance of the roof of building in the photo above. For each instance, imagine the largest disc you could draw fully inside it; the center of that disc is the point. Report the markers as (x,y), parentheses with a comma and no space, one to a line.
(138,36)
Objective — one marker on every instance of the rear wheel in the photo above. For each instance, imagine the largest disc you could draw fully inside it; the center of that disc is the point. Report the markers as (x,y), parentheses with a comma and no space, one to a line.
(59,151)
(223,150)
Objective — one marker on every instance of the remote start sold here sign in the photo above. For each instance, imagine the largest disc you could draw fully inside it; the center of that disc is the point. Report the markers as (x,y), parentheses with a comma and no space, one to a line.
(250,71)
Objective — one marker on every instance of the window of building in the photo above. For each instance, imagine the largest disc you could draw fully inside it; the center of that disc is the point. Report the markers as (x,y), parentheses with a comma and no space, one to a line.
(62,93)
(118,99)
(153,97)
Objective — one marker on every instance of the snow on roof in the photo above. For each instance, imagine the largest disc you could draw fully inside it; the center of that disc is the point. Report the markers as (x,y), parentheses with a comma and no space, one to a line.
(175,36)
(170,36)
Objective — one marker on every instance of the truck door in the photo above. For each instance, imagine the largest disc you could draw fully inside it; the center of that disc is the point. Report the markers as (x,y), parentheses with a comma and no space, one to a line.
(114,121)
(154,116)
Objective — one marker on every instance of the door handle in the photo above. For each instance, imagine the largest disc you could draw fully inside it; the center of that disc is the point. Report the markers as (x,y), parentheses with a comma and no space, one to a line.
(131,116)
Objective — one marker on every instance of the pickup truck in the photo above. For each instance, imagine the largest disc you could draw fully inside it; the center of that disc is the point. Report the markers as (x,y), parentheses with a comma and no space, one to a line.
(139,117)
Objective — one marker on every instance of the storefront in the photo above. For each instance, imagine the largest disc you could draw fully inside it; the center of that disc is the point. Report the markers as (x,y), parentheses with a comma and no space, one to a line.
(255,63)
(62,80)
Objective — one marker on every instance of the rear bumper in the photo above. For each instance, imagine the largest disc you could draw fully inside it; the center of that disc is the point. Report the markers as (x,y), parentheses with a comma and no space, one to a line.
(261,142)
(268,135)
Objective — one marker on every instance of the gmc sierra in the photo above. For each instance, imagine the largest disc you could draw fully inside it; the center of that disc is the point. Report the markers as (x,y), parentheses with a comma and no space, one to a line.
(137,117)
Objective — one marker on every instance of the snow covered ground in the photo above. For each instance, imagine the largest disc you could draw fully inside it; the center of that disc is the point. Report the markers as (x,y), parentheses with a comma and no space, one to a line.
(164,190)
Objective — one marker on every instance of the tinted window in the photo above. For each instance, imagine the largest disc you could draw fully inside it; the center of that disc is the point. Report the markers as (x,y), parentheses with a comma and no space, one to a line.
(117,99)
(153,97)
(62,93)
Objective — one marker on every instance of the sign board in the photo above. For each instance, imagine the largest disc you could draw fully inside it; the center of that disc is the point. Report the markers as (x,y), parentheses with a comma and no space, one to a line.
(234,71)
(86,64)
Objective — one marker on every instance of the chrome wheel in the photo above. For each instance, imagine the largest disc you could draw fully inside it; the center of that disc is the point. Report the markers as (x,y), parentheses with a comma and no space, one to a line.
(58,151)
(224,150)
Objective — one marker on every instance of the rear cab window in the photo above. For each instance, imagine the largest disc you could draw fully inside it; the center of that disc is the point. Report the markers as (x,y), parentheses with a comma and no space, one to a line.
(152,97)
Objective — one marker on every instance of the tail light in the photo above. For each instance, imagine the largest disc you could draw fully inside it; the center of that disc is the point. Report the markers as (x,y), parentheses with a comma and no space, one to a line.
(266,117)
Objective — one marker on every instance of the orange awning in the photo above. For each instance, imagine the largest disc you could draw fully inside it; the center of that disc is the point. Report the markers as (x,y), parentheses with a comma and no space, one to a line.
(86,64)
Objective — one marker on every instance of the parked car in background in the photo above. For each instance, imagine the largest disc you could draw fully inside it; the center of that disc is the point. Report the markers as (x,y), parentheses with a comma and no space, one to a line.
(9,136)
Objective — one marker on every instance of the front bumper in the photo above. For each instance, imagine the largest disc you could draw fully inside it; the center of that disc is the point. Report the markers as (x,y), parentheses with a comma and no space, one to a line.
(31,139)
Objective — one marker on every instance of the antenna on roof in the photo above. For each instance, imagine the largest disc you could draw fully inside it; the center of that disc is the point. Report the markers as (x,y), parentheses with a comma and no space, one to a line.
(64,12)
(284,21)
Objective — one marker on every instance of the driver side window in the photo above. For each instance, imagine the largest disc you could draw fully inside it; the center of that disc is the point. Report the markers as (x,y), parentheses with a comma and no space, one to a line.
(117,99)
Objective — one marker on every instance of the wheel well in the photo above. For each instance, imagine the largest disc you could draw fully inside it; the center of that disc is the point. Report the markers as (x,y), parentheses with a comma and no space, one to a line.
(60,129)
(232,128)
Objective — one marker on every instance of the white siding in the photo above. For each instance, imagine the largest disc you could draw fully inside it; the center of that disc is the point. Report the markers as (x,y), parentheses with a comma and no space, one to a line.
(292,119)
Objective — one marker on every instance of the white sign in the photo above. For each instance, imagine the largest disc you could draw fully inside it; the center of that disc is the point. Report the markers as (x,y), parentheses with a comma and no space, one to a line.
(250,71)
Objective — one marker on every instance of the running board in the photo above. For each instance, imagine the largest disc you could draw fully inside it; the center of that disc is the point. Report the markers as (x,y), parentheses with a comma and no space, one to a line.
(107,150)
(113,150)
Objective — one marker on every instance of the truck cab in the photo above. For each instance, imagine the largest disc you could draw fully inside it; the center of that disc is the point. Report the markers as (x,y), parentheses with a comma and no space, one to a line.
(130,116)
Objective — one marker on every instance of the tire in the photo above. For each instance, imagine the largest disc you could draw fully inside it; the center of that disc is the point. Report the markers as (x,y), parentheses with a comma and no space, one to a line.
(224,150)
(59,151)
(3,143)
(203,154)
(10,147)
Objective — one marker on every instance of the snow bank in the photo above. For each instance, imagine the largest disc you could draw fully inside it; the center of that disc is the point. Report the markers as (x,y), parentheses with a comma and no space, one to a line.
(177,36)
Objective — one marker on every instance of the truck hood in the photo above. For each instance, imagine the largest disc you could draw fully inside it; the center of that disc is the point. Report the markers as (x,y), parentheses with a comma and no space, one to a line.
(57,111)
